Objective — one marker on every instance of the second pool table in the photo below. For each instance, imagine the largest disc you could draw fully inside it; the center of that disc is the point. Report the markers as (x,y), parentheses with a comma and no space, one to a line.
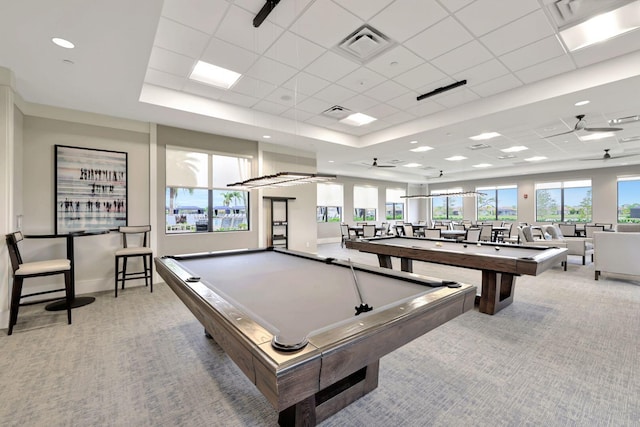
(288,320)
(500,263)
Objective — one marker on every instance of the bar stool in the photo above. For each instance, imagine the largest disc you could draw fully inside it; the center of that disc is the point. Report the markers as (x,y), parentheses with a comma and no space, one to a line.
(131,250)
(24,270)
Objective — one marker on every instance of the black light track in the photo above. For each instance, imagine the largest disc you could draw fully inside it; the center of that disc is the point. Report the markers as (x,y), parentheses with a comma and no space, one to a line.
(264,12)
(442,89)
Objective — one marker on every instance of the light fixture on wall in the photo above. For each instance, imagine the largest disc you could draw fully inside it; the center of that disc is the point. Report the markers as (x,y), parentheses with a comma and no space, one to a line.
(431,196)
(282,179)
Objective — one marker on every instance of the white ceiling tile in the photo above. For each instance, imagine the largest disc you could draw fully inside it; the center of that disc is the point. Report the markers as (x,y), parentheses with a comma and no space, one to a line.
(381,111)
(456,97)
(334,94)
(395,61)
(305,83)
(313,105)
(359,103)
(326,24)
(271,71)
(454,5)
(553,67)
(331,66)
(386,91)
(294,51)
(270,107)
(364,9)
(517,34)
(405,101)
(286,13)
(253,87)
(297,115)
(442,37)
(483,16)
(399,117)
(472,53)
(160,78)
(237,28)
(425,108)
(481,73)
(494,86)
(203,15)
(322,121)
(228,56)
(403,19)
(361,80)
(170,62)
(180,38)
(420,76)
(534,53)
(285,97)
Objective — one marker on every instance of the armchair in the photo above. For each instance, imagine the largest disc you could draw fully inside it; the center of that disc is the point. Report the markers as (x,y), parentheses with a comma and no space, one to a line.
(576,245)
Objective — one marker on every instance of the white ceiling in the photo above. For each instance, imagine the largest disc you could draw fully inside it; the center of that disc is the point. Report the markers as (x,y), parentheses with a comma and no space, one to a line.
(133,58)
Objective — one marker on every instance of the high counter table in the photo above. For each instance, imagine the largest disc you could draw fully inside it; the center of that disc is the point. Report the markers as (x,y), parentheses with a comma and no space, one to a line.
(69,237)
(254,301)
(500,263)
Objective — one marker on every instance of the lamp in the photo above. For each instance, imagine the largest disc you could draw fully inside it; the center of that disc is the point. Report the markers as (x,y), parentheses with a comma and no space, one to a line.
(431,196)
(282,179)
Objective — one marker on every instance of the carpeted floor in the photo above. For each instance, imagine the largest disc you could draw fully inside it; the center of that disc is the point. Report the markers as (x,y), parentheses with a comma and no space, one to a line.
(565,353)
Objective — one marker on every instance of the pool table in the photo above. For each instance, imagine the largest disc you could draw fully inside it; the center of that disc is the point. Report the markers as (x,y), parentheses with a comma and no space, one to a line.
(500,263)
(288,320)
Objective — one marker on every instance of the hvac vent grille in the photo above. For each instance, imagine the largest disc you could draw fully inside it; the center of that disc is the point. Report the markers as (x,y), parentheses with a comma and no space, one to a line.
(364,44)
(337,112)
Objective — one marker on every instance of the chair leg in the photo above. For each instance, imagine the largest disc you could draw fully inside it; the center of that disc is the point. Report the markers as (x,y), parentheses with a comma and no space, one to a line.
(117,274)
(67,287)
(151,272)
(144,265)
(584,260)
(124,270)
(15,303)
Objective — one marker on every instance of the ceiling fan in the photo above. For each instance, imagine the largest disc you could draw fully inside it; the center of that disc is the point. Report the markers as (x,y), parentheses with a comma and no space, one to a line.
(608,156)
(376,165)
(581,124)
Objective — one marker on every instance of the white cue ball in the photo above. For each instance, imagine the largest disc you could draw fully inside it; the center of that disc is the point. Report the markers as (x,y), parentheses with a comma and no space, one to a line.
(478,244)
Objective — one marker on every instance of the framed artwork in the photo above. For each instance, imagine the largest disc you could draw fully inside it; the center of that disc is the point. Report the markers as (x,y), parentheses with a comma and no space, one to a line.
(91,189)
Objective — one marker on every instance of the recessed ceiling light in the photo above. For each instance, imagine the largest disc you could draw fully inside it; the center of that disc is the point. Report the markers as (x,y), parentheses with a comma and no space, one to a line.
(412,165)
(331,161)
(595,136)
(482,165)
(507,156)
(581,103)
(421,149)
(455,158)
(63,43)
(484,136)
(535,159)
(514,149)
(266,136)
(358,119)
(602,27)
(413,142)
(213,75)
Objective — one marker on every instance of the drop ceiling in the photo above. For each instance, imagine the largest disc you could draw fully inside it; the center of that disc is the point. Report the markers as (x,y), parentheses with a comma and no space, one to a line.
(133,60)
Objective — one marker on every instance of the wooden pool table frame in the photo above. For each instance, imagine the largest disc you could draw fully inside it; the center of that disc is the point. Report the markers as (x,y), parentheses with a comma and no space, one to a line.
(498,272)
(339,365)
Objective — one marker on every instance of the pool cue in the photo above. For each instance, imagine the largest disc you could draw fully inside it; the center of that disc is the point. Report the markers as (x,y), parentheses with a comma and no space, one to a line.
(363,307)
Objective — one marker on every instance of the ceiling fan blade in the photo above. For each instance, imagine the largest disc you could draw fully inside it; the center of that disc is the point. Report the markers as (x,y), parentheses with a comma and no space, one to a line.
(562,133)
(602,129)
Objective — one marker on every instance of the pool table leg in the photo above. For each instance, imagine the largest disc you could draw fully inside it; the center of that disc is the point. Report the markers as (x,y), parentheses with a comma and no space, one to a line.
(384,261)
(406,264)
(497,291)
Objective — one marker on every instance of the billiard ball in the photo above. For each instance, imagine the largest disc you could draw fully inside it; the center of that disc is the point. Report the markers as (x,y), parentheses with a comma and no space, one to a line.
(464,246)
(438,244)
(497,248)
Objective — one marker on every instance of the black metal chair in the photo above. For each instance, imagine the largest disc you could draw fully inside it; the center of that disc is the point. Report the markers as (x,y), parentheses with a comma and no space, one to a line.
(128,251)
(25,270)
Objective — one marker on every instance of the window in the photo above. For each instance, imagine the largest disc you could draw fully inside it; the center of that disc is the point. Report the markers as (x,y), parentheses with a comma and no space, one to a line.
(394,207)
(196,196)
(445,207)
(497,203)
(365,200)
(629,200)
(568,201)
(329,207)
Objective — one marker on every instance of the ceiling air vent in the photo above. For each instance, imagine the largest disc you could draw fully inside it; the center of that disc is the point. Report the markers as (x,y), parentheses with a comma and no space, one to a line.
(364,44)
(337,112)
